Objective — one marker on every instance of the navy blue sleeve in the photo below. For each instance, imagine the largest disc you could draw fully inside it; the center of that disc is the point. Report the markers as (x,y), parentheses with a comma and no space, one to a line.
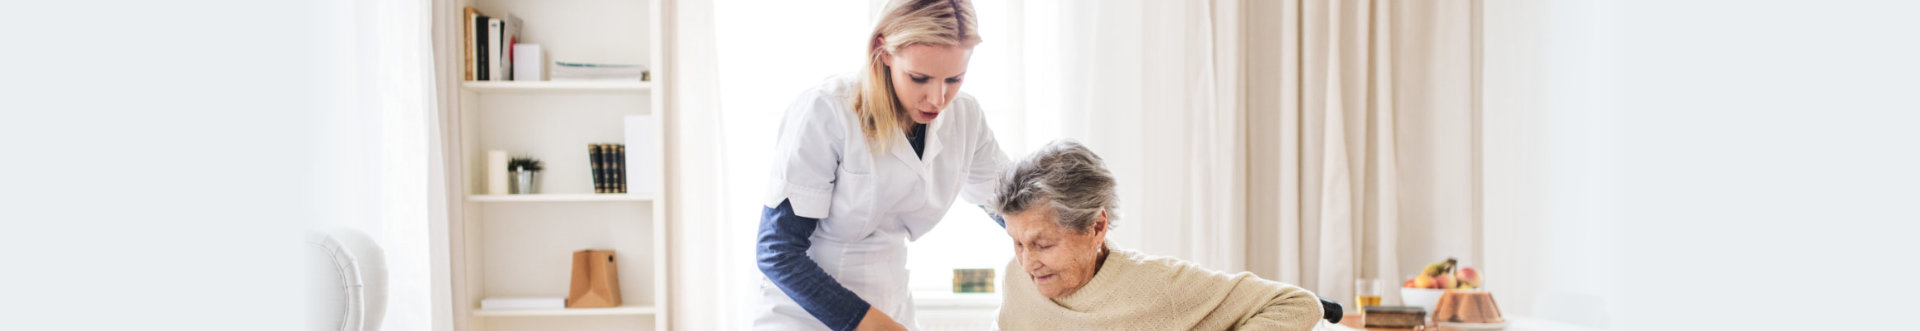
(783,257)
(996,217)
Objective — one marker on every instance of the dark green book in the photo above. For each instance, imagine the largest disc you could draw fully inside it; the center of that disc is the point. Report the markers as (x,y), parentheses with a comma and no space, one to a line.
(594,160)
(618,170)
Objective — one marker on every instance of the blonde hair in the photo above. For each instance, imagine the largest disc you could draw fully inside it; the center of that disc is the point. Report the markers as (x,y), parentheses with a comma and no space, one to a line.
(905,23)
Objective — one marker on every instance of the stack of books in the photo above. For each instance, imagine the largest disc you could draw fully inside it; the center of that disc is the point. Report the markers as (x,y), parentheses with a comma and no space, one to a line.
(489,45)
(598,71)
(609,167)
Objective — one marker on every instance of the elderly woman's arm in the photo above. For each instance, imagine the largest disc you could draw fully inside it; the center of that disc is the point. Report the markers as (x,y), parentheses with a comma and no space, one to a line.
(1292,308)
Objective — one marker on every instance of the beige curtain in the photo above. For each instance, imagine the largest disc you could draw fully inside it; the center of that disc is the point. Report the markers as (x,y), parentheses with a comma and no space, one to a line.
(1359,130)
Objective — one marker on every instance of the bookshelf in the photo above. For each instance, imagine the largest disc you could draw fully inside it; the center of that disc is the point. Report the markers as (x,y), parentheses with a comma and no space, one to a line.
(506,245)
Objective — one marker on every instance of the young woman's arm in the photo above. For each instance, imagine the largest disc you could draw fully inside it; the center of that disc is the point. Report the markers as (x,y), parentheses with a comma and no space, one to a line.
(807,158)
(783,257)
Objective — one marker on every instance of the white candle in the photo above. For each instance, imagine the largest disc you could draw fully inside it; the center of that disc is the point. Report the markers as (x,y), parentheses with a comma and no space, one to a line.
(496,172)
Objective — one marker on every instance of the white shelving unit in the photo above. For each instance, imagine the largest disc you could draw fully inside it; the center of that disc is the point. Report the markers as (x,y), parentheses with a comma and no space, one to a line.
(623,310)
(582,197)
(558,86)
(521,245)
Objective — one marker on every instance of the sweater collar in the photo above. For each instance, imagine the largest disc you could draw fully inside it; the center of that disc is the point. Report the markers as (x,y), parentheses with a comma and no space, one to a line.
(1104,286)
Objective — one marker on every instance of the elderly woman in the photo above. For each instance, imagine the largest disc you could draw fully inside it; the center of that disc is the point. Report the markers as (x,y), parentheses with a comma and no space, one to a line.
(1058,206)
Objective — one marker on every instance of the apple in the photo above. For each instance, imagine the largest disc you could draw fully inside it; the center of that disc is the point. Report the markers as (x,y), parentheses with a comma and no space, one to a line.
(1446,282)
(1469,276)
(1423,282)
(1409,284)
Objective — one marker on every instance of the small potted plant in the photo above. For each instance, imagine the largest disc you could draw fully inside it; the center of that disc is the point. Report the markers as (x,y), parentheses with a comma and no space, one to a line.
(526,175)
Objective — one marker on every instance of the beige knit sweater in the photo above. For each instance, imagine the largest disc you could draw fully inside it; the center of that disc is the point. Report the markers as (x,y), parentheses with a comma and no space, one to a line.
(1133,291)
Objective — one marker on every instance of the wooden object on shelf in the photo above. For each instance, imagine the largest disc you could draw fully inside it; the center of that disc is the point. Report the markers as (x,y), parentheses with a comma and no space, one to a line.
(596,280)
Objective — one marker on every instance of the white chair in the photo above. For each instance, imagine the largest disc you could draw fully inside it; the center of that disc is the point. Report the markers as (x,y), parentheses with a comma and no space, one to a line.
(1571,308)
(347,281)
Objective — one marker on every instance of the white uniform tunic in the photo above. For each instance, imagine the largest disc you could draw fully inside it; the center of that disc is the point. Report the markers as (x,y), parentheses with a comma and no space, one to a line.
(870,203)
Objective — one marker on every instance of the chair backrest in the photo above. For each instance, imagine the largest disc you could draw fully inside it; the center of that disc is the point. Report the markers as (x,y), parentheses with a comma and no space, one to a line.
(1331,311)
(1571,308)
(347,281)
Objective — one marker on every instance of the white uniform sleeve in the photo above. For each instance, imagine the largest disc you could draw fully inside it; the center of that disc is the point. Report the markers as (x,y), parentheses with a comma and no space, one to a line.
(989,162)
(807,156)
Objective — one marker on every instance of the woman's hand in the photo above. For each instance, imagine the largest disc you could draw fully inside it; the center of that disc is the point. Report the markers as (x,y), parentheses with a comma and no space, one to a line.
(878,321)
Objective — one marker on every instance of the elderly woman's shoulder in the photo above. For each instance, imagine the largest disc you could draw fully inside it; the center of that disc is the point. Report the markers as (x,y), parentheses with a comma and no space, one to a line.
(1155,266)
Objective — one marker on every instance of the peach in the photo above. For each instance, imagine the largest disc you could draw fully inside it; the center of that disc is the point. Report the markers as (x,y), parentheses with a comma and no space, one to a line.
(1446,282)
(1423,282)
(1470,276)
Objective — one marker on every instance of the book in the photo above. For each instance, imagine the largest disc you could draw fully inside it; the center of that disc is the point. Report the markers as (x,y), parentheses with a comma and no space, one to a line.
(597,71)
(617,172)
(974,280)
(524,303)
(480,47)
(1396,317)
(606,165)
(467,42)
(496,31)
(509,34)
(594,159)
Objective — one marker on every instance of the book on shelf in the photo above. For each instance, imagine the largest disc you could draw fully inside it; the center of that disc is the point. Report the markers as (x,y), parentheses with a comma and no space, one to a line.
(606,167)
(468,37)
(506,36)
(488,45)
(494,28)
(594,159)
(607,161)
(523,303)
(618,171)
(597,71)
(481,46)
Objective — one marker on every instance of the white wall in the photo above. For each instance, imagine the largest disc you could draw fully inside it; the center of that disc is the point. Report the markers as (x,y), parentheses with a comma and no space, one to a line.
(1703,165)
(155,183)
(1772,161)
(1549,160)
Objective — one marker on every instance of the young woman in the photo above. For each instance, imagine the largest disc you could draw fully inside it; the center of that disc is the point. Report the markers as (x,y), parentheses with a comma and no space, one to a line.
(866,162)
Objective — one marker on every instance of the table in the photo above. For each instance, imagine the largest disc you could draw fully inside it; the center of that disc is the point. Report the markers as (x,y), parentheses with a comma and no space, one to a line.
(1514,323)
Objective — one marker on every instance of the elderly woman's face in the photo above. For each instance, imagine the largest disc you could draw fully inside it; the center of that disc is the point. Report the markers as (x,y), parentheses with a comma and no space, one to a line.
(1060,260)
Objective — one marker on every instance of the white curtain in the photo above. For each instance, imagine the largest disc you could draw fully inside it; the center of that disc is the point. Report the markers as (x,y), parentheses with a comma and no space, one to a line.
(726,99)
(1152,87)
(1360,151)
(381,170)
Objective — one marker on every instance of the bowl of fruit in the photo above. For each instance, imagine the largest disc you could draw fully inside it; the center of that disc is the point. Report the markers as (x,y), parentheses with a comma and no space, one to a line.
(1435,280)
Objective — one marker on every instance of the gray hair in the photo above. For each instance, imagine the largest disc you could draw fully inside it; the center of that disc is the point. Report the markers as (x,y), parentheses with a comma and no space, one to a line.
(1072,181)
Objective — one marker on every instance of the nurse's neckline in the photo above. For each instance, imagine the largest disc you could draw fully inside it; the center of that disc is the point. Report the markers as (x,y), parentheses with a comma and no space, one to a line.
(915,130)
